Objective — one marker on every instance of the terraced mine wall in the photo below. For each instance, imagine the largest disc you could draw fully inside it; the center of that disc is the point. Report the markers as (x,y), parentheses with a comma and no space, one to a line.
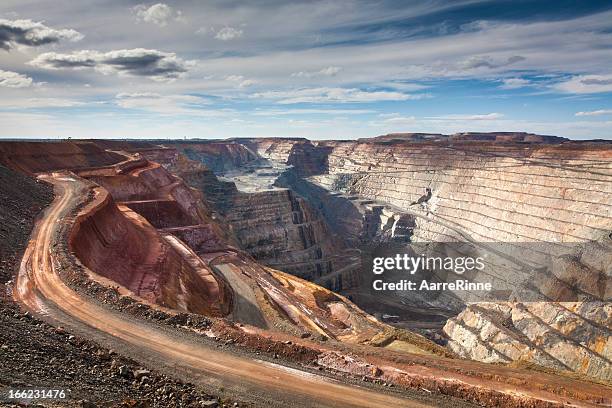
(189,267)
(276,227)
(500,194)
(490,193)
(352,219)
(280,230)
(494,193)
(131,237)
(306,157)
(481,193)
(116,244)
(218,157)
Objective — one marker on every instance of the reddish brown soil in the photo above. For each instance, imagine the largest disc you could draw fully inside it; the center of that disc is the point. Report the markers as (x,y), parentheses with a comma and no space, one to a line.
(35,157)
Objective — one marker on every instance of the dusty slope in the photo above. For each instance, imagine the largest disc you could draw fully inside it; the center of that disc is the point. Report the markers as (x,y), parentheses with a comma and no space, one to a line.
(35,157)
(21,200)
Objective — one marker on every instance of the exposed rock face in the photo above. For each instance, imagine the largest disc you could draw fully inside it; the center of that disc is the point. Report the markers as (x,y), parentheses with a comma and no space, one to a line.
(277,227)
(564,335)
(509,190)
(557,335)
(218,157)
(306,157)
(274,149)
(154,265)
(281,230)
(498,191)
(481,192)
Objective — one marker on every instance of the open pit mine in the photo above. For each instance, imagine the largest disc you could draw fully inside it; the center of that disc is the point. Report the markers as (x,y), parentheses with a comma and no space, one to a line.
(241,265)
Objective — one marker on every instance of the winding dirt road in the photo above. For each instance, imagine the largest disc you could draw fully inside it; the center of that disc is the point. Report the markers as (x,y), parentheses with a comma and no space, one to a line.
(40,288)
(241,376)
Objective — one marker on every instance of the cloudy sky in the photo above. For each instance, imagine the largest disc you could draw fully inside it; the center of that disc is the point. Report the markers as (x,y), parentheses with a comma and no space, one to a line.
(317,69)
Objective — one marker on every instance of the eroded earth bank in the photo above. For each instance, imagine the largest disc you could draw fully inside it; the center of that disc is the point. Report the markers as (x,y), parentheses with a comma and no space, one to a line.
(237,266)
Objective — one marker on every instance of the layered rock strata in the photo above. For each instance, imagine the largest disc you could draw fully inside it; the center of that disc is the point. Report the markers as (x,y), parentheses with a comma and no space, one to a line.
(217,156)
(491,194)
(117,237)
(275,226)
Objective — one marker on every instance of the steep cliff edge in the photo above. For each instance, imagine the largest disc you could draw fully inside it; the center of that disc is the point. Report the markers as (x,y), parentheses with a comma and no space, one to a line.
(117,243)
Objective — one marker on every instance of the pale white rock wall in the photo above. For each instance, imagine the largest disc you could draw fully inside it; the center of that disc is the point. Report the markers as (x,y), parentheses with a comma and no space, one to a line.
(509,195)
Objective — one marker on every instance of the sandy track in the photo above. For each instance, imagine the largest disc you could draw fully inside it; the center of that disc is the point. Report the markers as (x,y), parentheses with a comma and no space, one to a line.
(39,285)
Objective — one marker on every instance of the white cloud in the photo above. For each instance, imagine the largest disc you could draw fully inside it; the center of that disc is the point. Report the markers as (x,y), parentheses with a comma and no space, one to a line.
(393,121)
(228,33)
(167,104)
(241,80)
(328,71)
(33,103)
(540,47)
(32,34)
(204,30)
(160,14)
(157,65)
(514,83)
(246,83)
(595,112)
(485,61)
(224,34)
(9,79)
(340,95)
(399,120)
(234,78)
(585,84)
(129,95)
(488,116)
(293,40)
(401,86)
(276,112)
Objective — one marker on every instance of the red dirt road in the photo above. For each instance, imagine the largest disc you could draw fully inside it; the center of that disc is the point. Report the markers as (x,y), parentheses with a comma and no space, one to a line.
(38,285)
